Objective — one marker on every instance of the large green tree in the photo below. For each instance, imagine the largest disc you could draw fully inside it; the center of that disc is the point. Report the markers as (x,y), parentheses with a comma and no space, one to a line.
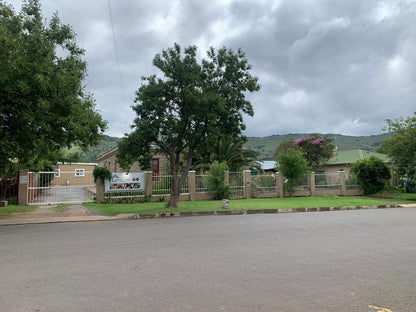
(182,111)
(43,103)
(401,146)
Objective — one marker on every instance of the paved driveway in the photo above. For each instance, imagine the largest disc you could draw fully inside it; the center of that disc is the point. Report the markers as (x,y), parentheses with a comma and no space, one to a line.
(328,261)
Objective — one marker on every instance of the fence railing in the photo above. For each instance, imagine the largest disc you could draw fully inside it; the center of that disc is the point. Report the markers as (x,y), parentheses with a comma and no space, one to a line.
(327,181)
(243,185)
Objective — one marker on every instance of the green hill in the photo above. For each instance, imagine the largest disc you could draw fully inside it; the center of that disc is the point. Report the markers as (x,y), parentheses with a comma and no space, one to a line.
(266,146)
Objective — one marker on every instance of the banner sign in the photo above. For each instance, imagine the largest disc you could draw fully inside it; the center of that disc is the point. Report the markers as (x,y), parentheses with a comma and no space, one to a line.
(125,182)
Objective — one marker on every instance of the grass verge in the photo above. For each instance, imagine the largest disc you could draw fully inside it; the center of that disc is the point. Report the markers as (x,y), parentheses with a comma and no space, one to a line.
(6,211)
(247,204)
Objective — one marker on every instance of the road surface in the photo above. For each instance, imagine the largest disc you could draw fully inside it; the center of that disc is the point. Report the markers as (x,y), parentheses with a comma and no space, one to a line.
(363,260)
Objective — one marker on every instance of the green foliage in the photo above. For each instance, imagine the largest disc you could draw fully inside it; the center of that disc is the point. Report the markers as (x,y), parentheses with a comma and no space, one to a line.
(401,146)
(216,180)
(230,150)
(373,174)
(294,167)
(43,104)
(317,150)
(102,174)
(182,113)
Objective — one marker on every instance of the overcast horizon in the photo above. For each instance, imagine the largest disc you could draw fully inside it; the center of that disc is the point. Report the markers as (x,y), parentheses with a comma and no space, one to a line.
(329,67)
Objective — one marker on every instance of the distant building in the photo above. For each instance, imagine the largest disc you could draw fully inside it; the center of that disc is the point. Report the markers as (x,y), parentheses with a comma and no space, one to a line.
(344,160)
(159,163)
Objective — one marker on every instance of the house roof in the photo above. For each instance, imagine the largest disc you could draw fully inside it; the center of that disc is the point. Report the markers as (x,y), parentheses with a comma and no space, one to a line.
(351,156)
(268,164)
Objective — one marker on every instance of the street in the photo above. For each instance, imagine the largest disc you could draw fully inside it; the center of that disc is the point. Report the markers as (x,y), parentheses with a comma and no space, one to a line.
(360,260)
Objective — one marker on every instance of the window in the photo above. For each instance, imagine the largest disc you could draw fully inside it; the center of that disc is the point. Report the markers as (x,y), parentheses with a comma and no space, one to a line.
(155,165)
(79,172)
(57,173)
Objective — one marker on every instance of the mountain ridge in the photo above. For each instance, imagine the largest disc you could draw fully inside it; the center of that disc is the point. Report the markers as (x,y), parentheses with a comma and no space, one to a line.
(264,146)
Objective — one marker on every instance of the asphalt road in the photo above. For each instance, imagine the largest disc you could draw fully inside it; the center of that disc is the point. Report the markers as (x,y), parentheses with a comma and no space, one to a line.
(327,261)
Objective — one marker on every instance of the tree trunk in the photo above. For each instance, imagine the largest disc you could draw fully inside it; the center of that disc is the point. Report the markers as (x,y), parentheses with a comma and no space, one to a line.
(177,182)
(174,192)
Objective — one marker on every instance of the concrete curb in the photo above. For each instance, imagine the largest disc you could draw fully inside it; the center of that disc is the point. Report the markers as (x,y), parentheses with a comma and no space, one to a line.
(173,214)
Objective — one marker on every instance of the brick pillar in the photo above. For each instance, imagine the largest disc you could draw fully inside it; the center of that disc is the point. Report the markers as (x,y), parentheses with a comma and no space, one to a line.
(311,179)
(279,184)
(342,179)
(23,187)
(99,191)
(192,185)
(148,184)
(247,183)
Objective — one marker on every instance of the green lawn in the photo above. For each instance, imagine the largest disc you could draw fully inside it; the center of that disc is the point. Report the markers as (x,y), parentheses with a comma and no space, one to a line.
(248,204)
(5,211)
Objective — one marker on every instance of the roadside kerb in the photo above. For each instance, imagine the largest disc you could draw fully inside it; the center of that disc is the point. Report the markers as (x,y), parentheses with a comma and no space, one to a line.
(253,211)
(173,214)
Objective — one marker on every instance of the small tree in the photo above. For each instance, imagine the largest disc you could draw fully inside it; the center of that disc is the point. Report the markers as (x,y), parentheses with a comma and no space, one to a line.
(317,150)
(373,174)
(216,180)
(294,167)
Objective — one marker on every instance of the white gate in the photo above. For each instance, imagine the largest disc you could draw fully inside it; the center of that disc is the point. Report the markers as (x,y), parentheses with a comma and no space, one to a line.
(57,187)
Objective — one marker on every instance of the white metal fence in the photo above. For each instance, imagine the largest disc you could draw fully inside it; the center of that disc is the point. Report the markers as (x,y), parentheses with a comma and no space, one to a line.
(54,187)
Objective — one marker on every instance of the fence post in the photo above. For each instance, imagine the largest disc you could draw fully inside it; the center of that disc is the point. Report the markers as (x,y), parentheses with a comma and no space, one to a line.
(247,183)
(148,184)
(342,182)
(279,184)
(99,191)
(192,185)
(312,187)
(22,198)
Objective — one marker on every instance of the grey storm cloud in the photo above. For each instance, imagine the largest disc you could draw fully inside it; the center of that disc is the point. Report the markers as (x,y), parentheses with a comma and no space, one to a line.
(324,66)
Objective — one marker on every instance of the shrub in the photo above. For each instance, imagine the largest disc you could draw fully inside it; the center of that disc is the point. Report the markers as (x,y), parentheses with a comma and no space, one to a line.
(372,173)
(102,174)
(216,180)
(294,167)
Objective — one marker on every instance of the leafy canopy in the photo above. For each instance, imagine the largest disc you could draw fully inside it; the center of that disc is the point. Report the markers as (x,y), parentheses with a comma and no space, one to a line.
(316,150)
(43,104)
(231,151)
(182,112)
(401,146)
(373,174)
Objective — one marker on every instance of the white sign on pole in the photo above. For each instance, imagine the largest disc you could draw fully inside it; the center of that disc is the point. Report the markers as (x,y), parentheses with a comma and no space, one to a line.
(23,180)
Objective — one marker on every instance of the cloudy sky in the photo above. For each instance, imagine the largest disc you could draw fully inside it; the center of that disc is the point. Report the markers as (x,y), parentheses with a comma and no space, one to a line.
(325,66)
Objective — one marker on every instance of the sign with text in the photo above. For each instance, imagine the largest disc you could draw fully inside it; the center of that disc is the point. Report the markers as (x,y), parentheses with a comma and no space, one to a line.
(125,182)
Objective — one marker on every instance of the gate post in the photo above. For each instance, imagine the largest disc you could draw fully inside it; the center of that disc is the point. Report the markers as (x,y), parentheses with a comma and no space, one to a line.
(279,184)
(342,182)
(22,198)
(247,183)
(312,185)
(100,191)
(192,185)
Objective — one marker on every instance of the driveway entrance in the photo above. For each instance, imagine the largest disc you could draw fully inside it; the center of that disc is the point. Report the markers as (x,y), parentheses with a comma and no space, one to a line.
(56,187)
